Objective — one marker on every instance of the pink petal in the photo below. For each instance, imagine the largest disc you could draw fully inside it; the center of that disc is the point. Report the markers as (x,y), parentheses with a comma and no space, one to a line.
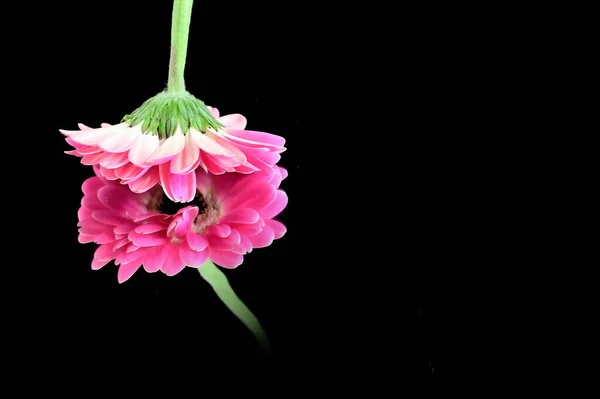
(111,160)
(124,228)
(104,253)
(225,244)
(157,215)
(120,141)
(183,187)
(84,238)
(173,263)
(99,264)
(214,111)
(233,121)
(253,138)
(121,243)
(275,207)
(191,257)
(120,200)
(147,240)
(144,146)
(92,159)
(249,229)
(196,241)
(128,171)
(262,239)
(108,217)
(212,165)
(84,213)
(126,257)
(278,228)
(155,259)
(219,230)
(255,196)
(91,186)
(145,182)
(89,150)
(126,270)
(209,145)
(149,228)
(109,174)
(241,215)
(168,149)
(93,137)
(186,159)
(164,173)
(92,227)
(185,225)
(131,247)
(283,172)
(226,259)
(101,238)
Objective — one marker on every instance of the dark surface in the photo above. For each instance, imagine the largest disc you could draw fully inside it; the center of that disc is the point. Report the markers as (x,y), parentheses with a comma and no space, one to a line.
(353,285)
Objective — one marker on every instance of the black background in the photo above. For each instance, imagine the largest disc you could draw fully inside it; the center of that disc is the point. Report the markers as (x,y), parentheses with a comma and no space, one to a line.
(356,284)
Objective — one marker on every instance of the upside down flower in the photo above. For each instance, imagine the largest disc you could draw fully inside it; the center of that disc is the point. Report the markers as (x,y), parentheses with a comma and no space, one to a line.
(231,215)
(141,153)
(178,185)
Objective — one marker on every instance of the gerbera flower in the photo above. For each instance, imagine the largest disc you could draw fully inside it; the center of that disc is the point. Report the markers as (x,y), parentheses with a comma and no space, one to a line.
(167,139)
(231,214)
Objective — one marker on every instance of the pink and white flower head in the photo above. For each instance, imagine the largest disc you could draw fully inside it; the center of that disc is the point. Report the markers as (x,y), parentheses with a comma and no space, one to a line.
(230,215)
(141,158)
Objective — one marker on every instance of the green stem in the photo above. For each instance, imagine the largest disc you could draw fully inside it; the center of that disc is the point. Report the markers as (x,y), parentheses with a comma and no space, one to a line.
(218,281)
(180,29)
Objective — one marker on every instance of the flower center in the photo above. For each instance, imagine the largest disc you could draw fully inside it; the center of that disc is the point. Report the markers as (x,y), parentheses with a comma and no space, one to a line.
(208,208)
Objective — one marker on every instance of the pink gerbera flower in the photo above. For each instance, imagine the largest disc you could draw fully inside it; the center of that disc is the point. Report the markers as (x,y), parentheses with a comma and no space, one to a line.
(147,149)
(231,214)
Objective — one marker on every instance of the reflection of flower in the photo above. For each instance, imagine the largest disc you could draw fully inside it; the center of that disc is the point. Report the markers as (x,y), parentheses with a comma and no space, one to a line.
(141,160)
(230,215)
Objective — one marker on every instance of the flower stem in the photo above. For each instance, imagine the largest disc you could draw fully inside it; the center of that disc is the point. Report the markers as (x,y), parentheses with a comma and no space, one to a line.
(218,281)
(180,29)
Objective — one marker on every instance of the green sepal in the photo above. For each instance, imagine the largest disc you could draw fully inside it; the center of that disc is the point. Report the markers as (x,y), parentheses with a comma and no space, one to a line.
(162,114)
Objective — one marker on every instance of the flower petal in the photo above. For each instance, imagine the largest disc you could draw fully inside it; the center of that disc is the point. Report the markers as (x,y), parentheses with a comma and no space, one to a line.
(183,187)
(146,182)
(144,146)
(256,196)
(112,161)
(253,138)
(126,270)
(275,207)
(262,239)
(168,149)
(226,259)
(241,215)
(278,228)
(120,141)
(108,217)
(233,121)
(155,259)
(99,264)
(219,230)
(147,240)
(149,228)
(191,257)
(214,111)
(104,253)
(186,159)
(173,263)
(196,241)
(209,145)
(93,137)
(91,186)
